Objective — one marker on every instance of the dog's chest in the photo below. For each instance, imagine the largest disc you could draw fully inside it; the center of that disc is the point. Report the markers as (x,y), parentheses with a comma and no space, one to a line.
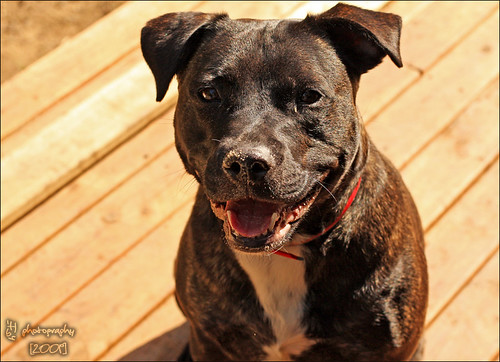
(281,289)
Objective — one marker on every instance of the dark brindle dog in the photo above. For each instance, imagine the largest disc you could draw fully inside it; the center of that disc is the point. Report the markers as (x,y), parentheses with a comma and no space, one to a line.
(303,243)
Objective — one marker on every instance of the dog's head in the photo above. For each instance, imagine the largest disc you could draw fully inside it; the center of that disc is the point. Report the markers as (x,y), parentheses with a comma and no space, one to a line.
(266,112)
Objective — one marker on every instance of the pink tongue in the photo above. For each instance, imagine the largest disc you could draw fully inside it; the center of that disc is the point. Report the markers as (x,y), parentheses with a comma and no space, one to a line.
(250,218)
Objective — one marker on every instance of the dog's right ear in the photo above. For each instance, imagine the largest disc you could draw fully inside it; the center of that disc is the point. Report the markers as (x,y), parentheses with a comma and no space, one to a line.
(167,42)
(362,37)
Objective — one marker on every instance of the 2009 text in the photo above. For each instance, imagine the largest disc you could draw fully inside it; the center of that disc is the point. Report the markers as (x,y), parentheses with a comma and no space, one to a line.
(48,348)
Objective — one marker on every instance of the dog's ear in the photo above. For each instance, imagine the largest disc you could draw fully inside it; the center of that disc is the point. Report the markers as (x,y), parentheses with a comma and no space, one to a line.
(167,42)
(361,37)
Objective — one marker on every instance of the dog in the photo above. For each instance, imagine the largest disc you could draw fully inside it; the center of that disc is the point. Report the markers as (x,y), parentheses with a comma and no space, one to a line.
(303,242)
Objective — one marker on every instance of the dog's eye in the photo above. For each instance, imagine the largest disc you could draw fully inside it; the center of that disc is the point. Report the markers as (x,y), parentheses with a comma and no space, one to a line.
(310,96)
(209,94)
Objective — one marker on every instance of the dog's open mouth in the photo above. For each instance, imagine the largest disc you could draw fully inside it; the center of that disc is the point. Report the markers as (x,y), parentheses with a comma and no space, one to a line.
(257,225)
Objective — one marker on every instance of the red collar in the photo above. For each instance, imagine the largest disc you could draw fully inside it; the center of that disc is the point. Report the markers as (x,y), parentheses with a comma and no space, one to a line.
(328,228)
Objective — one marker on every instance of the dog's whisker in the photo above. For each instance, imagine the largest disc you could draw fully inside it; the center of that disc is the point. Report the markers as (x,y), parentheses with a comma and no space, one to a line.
(175,172)
(327,190)
(188,184)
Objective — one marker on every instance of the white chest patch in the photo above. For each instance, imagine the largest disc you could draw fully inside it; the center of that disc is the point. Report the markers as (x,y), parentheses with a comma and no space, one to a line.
(281,289)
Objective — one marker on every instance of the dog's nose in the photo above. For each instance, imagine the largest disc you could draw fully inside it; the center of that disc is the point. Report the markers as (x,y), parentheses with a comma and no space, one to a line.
(247,165)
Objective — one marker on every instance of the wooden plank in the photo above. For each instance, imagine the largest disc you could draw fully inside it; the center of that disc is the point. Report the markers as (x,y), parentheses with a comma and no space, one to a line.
(80,195)
(95,240)
(427,107)
(153,340)
(460,242)
(468,329)
(463,150)
(141,279)
(72,100)
(76,61)
(76,140)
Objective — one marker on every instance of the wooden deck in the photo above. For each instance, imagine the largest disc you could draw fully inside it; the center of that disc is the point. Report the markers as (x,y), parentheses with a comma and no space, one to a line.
(94,196)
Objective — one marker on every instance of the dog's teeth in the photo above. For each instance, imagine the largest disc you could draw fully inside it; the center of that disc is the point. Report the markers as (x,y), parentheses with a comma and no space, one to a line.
(229,221)
(274,217)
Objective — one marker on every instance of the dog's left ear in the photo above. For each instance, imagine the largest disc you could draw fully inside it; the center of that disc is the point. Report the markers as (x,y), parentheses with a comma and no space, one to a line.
(167,43)
(361,37)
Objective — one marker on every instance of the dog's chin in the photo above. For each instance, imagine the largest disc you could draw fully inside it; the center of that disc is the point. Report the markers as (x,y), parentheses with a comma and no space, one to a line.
(256,226)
